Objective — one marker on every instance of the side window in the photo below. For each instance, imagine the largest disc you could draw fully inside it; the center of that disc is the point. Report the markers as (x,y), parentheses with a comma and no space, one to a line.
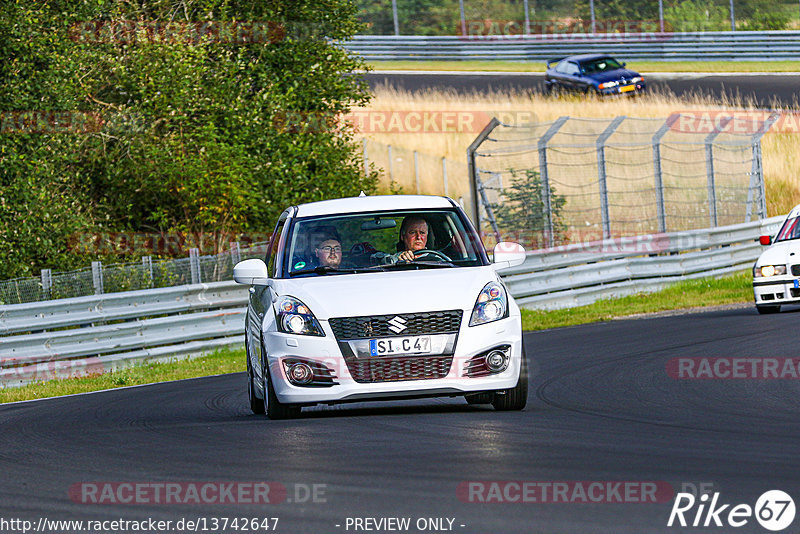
(572,69)
(272,253)
(562,67)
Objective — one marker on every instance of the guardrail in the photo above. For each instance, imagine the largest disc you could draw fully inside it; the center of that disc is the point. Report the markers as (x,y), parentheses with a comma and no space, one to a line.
(95,334)
(686,46)
(579,274)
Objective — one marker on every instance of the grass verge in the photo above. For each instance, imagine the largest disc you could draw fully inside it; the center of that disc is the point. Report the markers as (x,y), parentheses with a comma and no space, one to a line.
(695,293)
(641,66)
(689,294)
(218,362)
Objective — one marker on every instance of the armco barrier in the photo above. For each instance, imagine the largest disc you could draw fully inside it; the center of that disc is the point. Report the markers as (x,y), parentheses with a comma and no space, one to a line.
(686,46)
(84,335)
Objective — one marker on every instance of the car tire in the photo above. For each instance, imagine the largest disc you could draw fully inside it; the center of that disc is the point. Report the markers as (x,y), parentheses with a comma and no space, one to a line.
(256,404)
(480,398)
(275,408)
(517,397)
(768,309)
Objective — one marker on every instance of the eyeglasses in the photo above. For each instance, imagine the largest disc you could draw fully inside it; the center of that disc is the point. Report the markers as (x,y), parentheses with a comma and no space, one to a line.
(329,250)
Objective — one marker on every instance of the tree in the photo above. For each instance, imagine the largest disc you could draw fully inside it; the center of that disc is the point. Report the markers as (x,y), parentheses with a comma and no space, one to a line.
(522,210)
(191,139)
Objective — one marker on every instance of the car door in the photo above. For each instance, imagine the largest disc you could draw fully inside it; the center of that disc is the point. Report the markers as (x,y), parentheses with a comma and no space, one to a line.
(260,301)
(572,76)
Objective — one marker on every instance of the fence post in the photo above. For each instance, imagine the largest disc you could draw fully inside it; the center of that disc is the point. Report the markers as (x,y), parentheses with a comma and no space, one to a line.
(712,186)
(47,283)
(444,175)
(97,277)
(391,174)
(659,178)
(236,253)
(472,170)
(757,171)
(366,157)
(194,264)
(545,178)
(147,264)
(601,172)
(416,169)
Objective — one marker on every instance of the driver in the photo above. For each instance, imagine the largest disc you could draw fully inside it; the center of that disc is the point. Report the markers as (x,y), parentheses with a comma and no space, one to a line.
(413,237)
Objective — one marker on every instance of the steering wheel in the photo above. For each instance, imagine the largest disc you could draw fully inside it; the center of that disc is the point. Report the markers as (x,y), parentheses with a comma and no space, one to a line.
(428,252)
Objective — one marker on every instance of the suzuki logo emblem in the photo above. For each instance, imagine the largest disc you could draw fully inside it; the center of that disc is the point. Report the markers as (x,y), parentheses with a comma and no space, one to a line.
(397,324)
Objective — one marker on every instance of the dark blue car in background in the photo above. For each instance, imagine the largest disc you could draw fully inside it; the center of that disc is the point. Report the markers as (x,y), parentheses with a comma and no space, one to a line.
(592,73)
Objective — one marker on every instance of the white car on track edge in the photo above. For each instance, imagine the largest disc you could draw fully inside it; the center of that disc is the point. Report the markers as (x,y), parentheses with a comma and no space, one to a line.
(776,274)
(380,297)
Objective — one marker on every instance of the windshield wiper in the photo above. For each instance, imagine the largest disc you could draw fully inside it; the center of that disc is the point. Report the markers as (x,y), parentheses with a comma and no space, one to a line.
(412,264)
(326,269)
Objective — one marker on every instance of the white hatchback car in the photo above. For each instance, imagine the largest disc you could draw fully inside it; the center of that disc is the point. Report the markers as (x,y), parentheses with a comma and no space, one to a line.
(776,274)
(380,297)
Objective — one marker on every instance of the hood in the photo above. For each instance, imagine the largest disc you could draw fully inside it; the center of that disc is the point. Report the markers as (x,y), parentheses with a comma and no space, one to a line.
(383,293)
(783,253)
(614,75)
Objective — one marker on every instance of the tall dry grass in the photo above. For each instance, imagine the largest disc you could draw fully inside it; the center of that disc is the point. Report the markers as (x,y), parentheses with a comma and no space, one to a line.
(781,152)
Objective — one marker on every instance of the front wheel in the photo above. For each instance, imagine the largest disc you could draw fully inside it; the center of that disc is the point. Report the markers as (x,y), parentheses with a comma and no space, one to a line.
(256,404)
(517,397)
(768,309)
(275,408)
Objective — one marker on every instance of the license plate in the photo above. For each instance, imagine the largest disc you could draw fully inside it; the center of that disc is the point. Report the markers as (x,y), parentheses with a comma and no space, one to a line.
(399,345)
(627,88)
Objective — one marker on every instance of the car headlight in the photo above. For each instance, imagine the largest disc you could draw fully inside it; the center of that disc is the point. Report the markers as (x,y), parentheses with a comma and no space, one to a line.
(637,79)
(492,305)
(769,270)
(608,84)
(294,317)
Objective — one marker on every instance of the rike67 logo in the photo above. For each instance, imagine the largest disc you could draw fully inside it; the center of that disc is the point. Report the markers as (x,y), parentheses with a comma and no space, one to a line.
(774,510)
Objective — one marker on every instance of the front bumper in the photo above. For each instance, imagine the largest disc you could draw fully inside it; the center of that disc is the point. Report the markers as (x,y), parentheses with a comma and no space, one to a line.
(471,341)
(629,89)
(776,290)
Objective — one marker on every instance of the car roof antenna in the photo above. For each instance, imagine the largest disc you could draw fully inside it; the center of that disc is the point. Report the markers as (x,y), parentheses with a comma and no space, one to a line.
(363,194)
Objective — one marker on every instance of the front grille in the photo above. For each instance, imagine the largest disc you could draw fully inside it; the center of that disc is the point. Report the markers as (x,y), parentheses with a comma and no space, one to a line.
(441,322)
(399,368)
(796,270)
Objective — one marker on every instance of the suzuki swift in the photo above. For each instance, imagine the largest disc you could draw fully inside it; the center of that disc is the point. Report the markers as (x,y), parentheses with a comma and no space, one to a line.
(380,298)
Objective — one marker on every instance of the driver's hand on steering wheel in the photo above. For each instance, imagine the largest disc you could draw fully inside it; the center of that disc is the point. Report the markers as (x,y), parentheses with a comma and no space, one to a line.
(406,255)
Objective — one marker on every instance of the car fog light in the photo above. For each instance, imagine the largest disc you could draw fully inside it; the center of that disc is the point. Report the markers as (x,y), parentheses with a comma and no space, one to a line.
(300,373)
(496,361)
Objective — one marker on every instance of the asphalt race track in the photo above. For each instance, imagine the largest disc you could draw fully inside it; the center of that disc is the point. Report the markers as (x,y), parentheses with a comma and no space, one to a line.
(602,408)
(766,90)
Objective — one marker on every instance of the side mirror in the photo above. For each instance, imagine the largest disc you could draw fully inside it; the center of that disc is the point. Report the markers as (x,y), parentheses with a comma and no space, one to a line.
(508,254)
(765,240)
(251,272)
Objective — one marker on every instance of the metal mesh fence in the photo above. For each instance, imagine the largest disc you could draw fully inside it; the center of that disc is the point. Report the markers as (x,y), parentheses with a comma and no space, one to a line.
(146,274)
(412,172)
(578,180)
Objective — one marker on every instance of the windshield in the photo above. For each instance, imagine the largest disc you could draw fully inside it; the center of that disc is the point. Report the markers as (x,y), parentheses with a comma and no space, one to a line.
(789,230)
(600,65)
(422,239)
